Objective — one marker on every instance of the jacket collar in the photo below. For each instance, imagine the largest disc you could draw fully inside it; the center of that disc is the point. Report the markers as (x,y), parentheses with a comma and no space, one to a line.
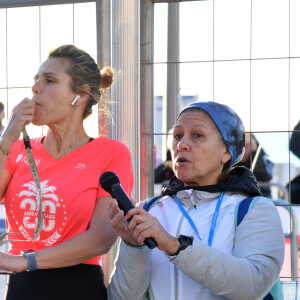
(240,180)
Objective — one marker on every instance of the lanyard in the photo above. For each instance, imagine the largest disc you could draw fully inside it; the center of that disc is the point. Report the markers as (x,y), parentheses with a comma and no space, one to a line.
(36,178)
(213,222)
(4,236)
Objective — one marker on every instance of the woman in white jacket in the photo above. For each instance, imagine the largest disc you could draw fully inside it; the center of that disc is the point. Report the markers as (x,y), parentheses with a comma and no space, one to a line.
(201,252)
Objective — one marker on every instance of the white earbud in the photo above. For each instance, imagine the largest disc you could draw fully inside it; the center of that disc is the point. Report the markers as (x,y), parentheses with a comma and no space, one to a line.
(75,99)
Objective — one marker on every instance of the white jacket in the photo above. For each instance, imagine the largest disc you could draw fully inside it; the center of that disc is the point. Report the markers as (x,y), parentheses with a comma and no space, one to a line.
(243,263)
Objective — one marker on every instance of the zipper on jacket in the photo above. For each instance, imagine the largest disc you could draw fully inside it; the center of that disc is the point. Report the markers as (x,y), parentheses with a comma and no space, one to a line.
(175,268)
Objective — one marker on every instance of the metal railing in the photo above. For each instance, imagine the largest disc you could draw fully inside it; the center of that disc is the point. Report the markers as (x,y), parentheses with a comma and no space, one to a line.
(283,201)
(282,190)
(293,235)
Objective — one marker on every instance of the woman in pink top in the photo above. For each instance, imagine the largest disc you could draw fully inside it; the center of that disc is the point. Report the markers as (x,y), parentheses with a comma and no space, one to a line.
(63,261)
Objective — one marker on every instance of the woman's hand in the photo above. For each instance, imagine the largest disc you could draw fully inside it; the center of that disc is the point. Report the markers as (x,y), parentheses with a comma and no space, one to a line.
(22,114)
(14,263)
(142,225)
(120,224)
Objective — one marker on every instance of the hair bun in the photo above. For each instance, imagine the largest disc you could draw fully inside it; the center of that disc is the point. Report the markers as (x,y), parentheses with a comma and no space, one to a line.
(106,78)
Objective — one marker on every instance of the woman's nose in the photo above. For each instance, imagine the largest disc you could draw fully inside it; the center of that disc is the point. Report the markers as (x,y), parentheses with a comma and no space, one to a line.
(183,144)
(35,88)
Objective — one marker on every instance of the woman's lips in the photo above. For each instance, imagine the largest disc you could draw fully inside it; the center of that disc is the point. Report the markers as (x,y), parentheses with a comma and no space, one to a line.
(36,103)
(181,160)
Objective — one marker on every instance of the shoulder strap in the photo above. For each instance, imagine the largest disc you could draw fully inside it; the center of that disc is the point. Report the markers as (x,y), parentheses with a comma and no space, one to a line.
(276,292)
(242,209)
(151,202)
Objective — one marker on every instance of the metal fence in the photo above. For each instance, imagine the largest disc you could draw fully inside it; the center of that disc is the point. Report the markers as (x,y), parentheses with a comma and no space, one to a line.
(166,53)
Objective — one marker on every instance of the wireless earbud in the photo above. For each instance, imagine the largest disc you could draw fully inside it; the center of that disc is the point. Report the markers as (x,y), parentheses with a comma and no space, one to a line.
(75,99)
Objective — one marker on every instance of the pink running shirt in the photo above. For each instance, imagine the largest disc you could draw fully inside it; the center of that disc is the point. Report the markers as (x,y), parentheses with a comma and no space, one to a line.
(70,187)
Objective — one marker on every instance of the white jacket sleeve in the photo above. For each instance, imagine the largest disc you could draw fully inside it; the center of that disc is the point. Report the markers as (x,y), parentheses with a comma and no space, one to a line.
(256,262)
(131,276)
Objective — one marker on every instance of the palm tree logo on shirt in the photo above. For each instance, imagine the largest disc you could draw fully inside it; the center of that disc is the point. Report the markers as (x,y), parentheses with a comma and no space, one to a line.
(30,204)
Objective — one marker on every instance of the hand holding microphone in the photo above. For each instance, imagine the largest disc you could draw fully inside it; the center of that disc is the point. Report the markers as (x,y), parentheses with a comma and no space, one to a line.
(110,182)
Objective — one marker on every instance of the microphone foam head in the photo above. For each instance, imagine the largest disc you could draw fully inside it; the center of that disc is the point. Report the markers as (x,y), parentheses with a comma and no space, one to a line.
(108,179)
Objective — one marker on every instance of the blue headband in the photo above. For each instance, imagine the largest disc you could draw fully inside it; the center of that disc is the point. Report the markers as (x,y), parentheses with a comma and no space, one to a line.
(229,125)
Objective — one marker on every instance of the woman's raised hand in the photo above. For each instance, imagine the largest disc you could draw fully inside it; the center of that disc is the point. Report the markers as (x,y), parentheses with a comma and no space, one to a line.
(22,114)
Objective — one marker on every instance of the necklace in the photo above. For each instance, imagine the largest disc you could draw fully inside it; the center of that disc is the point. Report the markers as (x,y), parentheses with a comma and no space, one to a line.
(72,146)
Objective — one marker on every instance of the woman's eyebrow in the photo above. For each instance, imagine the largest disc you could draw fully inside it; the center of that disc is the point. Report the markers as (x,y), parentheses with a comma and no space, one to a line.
(43,74)
(200,125)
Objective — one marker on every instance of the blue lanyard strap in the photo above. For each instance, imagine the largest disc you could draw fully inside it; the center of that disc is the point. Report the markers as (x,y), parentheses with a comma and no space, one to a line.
(184,212)
(213,222)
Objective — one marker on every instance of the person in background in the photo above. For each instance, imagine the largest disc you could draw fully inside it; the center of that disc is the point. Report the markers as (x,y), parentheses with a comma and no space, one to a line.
(294,184)
(164,172)
(63,261)
(295,140)
(256,159)
(2,116)
(201,252)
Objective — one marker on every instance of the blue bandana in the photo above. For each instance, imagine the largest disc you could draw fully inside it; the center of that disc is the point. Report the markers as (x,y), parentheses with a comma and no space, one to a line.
(229,125)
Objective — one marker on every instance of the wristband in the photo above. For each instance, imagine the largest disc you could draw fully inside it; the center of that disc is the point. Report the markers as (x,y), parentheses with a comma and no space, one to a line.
(31,260)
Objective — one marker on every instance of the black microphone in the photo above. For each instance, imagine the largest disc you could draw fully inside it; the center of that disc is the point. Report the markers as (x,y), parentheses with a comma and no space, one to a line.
(110,182)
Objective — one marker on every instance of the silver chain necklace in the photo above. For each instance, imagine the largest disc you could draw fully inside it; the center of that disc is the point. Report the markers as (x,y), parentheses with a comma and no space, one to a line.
(72,146)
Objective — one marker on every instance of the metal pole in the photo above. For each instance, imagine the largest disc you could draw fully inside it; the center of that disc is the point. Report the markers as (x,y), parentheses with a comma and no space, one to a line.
(104,59)
(103,54)
(170,105)
(146,99)
(126,87)
(24,3)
